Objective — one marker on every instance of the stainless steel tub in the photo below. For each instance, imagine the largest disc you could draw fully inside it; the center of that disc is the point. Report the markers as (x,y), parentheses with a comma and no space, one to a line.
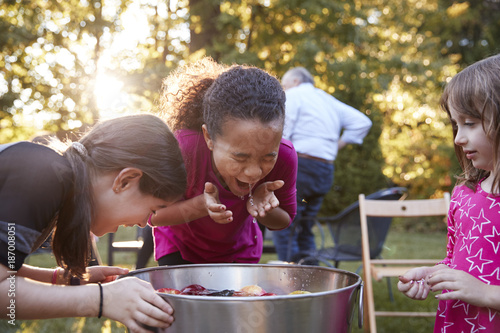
(329,308)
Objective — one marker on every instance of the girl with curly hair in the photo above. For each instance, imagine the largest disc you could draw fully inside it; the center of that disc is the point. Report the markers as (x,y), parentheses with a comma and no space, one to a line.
(229,123)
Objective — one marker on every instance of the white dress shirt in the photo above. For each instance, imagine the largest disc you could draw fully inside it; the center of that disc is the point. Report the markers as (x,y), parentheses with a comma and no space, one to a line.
(316,120)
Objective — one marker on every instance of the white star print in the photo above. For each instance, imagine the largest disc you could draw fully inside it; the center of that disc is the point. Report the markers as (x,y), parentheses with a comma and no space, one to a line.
(495,272)
(492,314)
(494,202)
(468,244)
(479,221)
(458,198)
(468,206)
(495,236)
(474,329)
(446,325)
(477,262)
(460,303)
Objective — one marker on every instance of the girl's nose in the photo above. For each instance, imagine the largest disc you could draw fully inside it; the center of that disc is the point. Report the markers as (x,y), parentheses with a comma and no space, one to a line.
(253,172)
(460,139)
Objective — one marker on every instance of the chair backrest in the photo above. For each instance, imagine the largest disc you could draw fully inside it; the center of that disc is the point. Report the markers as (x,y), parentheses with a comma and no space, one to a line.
(371,267)
(407,208)
(346,231)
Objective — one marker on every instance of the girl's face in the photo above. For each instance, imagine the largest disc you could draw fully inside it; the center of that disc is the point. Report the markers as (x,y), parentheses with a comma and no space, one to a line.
(476,146)
(118,201)
(244,153)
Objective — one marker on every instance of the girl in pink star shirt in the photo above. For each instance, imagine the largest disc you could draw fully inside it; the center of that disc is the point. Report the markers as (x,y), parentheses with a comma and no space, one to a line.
(469,276)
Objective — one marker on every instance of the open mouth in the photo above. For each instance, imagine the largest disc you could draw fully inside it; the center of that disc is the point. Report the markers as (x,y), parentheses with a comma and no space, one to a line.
(243,185)
(470,154)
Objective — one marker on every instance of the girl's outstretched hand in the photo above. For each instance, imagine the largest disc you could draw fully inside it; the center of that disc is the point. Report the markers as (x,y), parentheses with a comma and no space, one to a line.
(103,274)
(462,286)
(216,210)
(263,198)
(133,302)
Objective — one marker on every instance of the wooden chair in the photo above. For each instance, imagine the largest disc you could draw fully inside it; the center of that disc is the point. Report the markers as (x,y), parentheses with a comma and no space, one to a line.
(380,268)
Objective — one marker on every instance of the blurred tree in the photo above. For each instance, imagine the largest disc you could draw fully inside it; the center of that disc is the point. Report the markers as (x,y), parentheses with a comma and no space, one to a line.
(48,52)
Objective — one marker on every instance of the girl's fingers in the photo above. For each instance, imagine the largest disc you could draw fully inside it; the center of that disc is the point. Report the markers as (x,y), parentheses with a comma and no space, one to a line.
(418,290)
(219,214)
(404,287)
(275,185)
(210,188)
(404,279)
(217,208)
(151,314)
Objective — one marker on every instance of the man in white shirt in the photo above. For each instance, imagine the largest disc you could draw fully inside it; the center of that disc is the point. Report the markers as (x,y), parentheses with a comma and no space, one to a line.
(318,126)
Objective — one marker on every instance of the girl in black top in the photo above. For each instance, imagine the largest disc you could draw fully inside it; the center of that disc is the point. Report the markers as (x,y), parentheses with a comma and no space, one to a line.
(120,173)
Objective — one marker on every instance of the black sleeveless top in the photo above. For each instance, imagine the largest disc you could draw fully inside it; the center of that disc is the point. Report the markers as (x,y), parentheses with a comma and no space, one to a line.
(34,180)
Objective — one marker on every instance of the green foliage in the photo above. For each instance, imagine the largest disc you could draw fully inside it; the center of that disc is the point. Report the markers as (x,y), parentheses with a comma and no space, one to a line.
(387,58)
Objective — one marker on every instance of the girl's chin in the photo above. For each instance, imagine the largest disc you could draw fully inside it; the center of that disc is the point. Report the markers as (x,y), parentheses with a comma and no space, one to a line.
(101,233)
(238,191)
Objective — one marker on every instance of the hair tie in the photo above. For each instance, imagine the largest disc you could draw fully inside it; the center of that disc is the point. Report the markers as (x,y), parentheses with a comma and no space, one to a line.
(100,300)
(80,148)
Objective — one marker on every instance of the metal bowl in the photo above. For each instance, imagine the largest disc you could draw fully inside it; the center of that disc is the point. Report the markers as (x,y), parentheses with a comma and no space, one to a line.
(329,308)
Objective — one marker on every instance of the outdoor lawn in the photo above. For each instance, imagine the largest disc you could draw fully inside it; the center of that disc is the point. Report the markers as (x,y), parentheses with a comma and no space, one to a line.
(417,245)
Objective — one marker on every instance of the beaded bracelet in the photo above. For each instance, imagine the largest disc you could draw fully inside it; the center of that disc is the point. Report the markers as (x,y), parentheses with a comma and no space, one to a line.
(100,299)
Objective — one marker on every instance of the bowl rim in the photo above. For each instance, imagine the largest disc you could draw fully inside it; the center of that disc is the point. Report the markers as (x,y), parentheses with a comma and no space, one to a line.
(249,298)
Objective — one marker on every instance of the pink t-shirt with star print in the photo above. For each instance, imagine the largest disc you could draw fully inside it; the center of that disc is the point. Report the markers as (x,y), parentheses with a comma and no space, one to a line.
(473,247)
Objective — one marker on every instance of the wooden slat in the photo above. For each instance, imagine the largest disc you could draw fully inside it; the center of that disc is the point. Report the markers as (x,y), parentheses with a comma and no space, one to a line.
(378,273)
(404,261)
(404,314)
(406,208)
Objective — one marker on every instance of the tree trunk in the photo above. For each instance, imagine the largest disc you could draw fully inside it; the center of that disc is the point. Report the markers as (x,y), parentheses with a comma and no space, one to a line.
(203,38)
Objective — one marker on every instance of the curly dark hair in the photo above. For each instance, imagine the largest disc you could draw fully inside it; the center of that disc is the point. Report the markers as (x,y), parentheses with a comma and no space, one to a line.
(206,92)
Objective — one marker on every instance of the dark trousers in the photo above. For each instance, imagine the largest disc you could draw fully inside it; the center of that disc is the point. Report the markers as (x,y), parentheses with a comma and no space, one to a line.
(314,180)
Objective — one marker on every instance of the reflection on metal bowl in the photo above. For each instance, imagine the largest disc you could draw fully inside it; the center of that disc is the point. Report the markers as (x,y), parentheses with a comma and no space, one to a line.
(328,308)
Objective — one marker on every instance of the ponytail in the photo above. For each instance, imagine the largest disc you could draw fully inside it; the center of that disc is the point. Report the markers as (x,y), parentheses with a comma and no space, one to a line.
(140,141)
(71,240)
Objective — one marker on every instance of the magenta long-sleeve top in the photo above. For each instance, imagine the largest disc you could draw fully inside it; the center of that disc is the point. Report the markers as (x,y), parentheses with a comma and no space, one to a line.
(205,241)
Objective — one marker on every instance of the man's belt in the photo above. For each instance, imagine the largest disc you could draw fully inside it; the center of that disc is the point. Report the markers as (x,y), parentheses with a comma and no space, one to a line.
(319,159)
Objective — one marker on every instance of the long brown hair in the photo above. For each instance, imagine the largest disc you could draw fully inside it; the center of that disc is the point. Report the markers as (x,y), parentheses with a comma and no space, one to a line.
(475,92)
(141,141)
(206,92)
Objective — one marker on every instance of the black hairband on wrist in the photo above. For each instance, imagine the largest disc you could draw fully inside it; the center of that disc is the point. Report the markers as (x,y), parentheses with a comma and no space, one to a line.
(100,299)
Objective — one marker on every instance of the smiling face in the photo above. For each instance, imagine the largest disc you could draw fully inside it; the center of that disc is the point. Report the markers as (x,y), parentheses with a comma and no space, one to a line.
(244,153)
(471,137)
(119,201)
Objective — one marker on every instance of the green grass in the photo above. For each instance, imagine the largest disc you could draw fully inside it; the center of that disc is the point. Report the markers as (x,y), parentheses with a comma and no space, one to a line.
(412,244)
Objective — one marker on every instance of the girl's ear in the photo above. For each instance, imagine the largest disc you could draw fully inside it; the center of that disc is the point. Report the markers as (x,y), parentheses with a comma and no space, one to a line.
(208,139)
(126,178)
